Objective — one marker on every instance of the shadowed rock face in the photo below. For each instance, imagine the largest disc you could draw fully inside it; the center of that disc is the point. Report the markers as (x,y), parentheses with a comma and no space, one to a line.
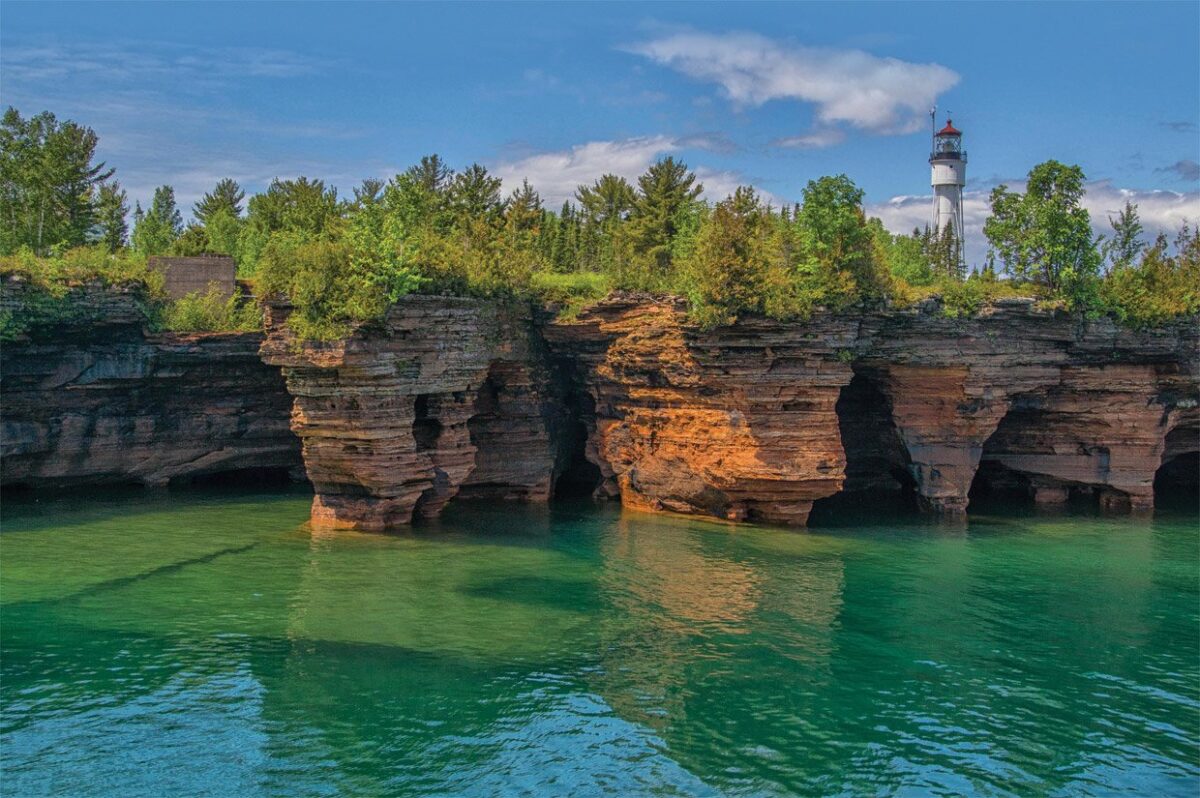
(460,398)
(740,422)
(447,396)
(101,403)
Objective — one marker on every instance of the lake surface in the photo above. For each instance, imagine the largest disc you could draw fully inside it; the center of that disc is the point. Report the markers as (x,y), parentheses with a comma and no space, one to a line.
(205,643)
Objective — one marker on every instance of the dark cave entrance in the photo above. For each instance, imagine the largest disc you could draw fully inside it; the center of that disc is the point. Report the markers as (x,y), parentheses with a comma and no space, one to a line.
(579,477)
(1177,481)
(878,468)
(1028,430)
(426,428)
(270,477)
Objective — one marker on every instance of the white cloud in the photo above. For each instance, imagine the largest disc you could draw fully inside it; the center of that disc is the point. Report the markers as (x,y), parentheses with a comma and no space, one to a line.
(1160,212)
(819,138)
(557,174)
(852,87)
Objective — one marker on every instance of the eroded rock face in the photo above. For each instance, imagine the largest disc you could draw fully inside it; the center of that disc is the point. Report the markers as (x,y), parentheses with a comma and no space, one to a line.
(739,422)
(101,402)
(447,395)
(742,422)
(453,397)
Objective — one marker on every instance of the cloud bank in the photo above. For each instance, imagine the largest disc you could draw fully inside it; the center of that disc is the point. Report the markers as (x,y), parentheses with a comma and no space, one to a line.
(848,87)
(557,174)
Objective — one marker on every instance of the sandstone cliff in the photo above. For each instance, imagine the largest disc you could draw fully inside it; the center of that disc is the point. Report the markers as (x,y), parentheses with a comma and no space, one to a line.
(96,400)
(447,397)
(761,419)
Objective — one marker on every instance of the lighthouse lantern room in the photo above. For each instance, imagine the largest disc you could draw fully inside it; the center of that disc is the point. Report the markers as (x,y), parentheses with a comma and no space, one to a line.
(949,174)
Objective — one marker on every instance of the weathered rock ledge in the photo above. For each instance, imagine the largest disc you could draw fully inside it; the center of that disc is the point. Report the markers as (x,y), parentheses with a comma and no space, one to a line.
(447,397)
(761,419)
(99,401)
(458,398)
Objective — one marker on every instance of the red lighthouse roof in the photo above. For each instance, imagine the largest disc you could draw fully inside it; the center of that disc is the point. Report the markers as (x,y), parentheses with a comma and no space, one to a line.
(949,130)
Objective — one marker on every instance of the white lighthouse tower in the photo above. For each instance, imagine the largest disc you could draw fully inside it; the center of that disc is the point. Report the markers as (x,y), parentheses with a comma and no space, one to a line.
(949,166)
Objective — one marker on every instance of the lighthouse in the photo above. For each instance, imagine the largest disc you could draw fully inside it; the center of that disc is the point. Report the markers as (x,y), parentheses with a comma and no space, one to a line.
(948,163)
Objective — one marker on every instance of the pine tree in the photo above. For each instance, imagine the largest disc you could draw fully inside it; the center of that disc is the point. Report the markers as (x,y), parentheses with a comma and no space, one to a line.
(156,230)
(1126,244)
(664,190)
(48,183)
(227,195)
(608,201)
(111,229)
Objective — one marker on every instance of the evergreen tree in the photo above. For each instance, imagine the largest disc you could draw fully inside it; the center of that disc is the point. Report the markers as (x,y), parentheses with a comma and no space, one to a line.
(474,195)
(227,195)
(733,264)
(608,201)
(111,229)
(156,230)
(431,174)
(1126,243)
(523,211)
(666,189)
(563,256)
(301,206)
(834,234)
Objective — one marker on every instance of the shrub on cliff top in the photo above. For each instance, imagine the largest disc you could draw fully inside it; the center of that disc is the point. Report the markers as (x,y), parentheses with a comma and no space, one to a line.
(212,312)
(1160,287)
(333,285)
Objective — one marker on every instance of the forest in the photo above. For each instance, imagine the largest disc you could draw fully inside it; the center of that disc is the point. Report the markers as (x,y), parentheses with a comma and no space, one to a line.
(342,260)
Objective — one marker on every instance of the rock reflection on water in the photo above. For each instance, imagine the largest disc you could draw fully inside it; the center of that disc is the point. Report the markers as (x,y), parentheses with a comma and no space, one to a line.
(214,646)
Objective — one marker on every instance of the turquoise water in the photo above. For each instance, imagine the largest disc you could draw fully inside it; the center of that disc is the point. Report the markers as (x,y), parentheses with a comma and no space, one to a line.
(213,644)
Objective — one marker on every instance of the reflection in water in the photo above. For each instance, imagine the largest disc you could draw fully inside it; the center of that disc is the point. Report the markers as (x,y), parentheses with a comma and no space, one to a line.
(214,644)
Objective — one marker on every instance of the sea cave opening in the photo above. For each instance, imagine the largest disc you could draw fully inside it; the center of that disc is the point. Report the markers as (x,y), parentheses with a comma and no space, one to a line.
(579,477)
(264,477)
(1177,480)
(878,468)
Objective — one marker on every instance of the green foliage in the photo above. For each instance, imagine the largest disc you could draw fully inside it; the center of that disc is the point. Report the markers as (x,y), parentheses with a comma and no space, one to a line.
(212,312)
(1045,234)
(836,246)
(49,186)
(904,257)
(570,292)
(50,288)
(342,263)
(226,198)
(155,231)
(1126,243)
(1160,287)
(667,194)
(111,230)
(738,264)
(333,285)
(607,202)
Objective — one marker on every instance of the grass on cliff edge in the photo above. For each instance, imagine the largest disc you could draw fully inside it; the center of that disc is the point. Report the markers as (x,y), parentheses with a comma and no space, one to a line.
(52,287)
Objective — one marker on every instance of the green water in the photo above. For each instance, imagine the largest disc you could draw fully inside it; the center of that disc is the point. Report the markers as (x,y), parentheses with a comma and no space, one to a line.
(212,644)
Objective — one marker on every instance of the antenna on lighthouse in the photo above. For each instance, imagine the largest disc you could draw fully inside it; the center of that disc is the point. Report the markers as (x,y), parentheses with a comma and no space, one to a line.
(932,124)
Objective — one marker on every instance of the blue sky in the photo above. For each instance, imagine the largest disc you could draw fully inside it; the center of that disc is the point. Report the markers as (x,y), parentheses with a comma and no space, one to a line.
(772,94)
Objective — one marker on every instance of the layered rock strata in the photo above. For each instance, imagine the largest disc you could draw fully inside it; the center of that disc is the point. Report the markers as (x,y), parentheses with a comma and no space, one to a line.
(739,422)
(446,396)
(98,401)
(743,421)
(1063,404)
(453,397)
